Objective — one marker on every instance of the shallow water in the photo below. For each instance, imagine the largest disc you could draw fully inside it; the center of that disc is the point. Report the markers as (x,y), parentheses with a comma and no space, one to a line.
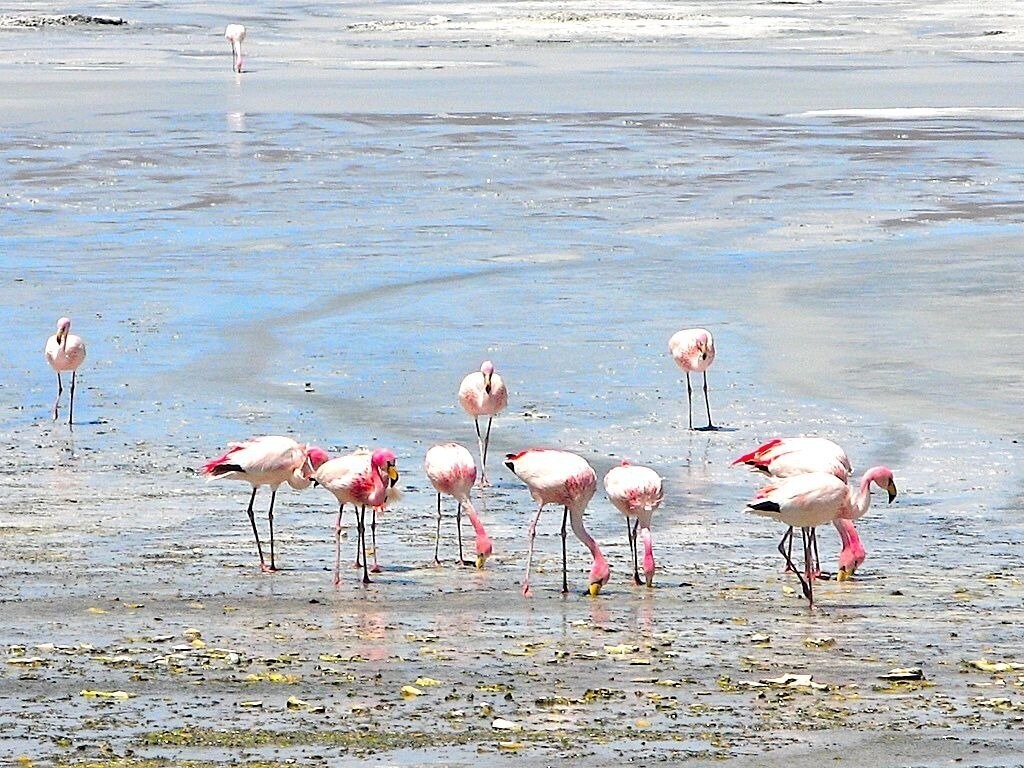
(326,244)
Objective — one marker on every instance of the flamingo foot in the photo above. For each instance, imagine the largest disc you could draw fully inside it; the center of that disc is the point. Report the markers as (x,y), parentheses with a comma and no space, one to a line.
(267,568)
(376,568)
(708,428)
(527,592)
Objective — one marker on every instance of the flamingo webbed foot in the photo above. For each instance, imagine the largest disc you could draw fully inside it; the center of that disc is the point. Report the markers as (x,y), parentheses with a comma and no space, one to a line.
(376,568)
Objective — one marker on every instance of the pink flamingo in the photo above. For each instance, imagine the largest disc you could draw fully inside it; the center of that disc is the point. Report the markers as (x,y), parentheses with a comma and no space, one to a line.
(65,352)
(235,34)
(362,479)
(483,393)
(694,351)
(452,471)
(560,477)
(269,460)
(809,500)
(636,492)
(789,456)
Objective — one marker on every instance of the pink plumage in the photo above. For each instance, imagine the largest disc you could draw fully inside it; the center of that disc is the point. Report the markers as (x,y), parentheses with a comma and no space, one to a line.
(566,479)
(452,471)
(64,352)
(636,492)
(483,393)
(693,349)
(362,479)
(268,460)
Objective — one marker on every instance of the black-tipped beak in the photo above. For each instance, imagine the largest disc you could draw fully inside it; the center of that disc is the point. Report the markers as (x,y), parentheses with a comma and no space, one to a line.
(510,467)
(891,490)
(487,383)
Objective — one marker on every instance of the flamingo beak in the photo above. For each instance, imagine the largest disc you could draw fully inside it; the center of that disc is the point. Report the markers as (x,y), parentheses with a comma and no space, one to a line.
(595,588)
(481,558)
(392,474)
(487,383)
(891,490)
(62,336)
(844,575)
(650,579)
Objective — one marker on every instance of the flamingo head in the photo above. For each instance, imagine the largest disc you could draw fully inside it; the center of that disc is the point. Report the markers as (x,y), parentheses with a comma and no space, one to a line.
(484,549)
(383,462)
(599,575)
(487,369)
(882,477)
(63,328)
(315,457)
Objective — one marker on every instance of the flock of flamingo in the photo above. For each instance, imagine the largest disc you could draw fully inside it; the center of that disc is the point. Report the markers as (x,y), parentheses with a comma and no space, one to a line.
(809,475)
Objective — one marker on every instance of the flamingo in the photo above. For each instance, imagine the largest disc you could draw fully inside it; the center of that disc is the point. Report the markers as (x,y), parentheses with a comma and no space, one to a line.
(789,456)
(362,479)
(636,492)
(452,471)
(269,460)
(693,350)
(235,34)
(809,500)
(483,393)
(65,352)
(560,477)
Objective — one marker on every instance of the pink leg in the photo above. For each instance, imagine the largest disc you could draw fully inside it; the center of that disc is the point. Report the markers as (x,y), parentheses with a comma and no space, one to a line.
(532,533)
(373,538)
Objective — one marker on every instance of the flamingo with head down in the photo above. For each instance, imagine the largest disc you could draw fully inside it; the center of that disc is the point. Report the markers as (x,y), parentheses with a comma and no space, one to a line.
(789,456)
(235,34)
(452,471)
(636,492)
(566,479)
(809,500)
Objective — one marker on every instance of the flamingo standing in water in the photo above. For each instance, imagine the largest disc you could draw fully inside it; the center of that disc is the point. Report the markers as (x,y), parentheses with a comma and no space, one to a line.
(636,492)
(560,477)
(809,500)
(693,350)
(270,460)
(362,479)
(789,456)
(235,34)
(65,352)
(452,471)
(483,393)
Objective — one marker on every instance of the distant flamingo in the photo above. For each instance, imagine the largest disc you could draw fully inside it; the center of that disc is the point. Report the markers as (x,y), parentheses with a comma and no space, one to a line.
(269,460)
(806,501)
(560,477)
(483,393)
(361,479)
(65,352)
(636,492)
(694,351)
(235,34)
(789,456)
(451,471)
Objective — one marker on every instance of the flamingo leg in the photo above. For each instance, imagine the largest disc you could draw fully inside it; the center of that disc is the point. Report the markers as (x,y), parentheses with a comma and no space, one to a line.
(532,534)
(362,542)
(60,391)
(787,552)
(483,459)
(707,403)
(270,519)
(482,481)
(632,544)
(252,521)
(337,547)
(565,576)
(373,536)
(807,583)
(437,537)
(71,405)
(689,400)
(458,529)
